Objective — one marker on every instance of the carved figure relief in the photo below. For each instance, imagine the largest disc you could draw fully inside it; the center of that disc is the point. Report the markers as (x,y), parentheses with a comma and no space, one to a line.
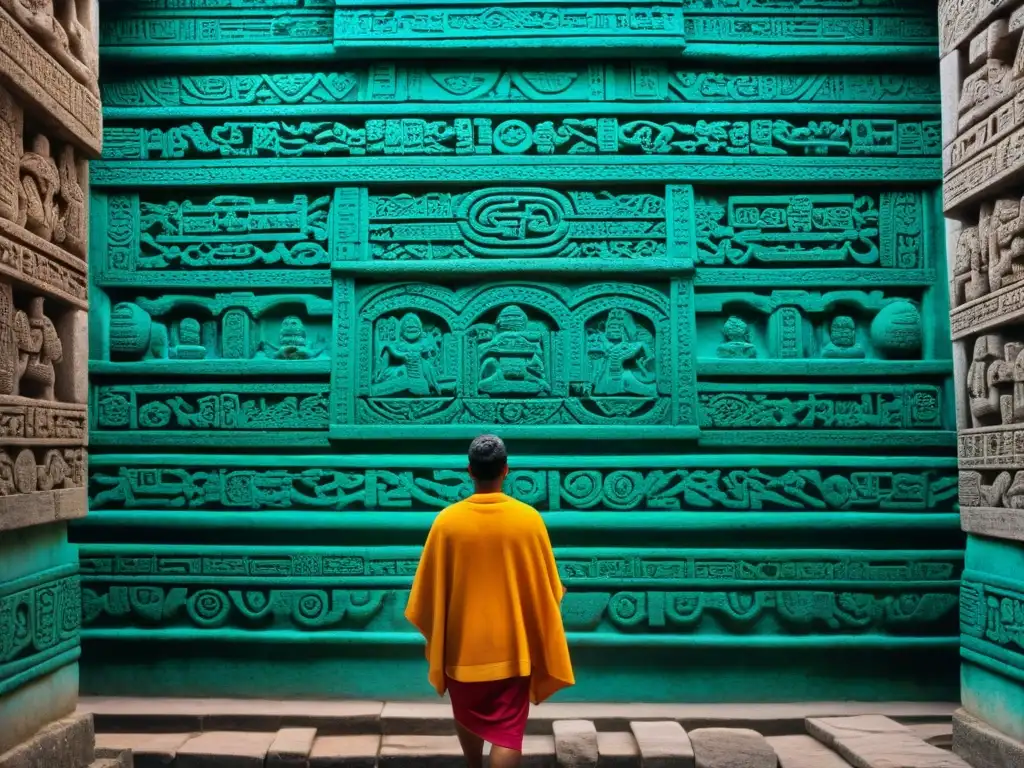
(796,324)
(55,24)
(517,354)
(29,347)
(225,326)
(40,183)
(411,359)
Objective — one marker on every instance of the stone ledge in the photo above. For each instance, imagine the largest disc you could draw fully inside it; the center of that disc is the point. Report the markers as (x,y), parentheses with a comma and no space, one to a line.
(576,744)
(177,715)
(24,510)
(995,522)
(66,743)
(983,746)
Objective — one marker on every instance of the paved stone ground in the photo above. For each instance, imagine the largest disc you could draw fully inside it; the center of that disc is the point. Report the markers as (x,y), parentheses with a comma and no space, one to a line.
(218,733)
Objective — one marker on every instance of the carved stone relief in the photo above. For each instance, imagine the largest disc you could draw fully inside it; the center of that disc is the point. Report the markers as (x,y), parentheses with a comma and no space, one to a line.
(983,73)
(49,127)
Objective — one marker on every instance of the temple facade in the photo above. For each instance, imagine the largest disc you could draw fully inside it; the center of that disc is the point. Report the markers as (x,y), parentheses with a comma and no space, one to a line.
(699,262)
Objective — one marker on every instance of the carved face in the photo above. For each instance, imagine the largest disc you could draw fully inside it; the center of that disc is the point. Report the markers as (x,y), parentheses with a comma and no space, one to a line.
(844,332)
(735,329)
(189,331)
(292,330)
(411,327)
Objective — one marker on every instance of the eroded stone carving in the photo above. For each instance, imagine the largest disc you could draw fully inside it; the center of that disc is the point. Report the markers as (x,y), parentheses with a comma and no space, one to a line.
(55,24)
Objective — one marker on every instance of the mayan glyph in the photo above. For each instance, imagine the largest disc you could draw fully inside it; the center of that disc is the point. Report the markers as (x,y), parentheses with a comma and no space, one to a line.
(983,78)
(49,128)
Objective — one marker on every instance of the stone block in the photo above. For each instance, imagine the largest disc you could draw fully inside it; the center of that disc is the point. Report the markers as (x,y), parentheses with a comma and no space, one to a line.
(993,522)
(344,752)
(800,751)
(225,749)
(874,741)
(663,744)
(291,747)
(402,751)
(121,758)
(731,748)
(617,749)
(149,750)
(983,746)
(67,743)
(575,743)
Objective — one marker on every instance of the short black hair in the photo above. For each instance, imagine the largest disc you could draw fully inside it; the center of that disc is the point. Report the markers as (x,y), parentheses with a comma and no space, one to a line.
(487,457)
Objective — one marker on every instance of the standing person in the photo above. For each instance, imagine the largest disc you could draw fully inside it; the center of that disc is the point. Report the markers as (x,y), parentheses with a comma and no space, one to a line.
(487,599)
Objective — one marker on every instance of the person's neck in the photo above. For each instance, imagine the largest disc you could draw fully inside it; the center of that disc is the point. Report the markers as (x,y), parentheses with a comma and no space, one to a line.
(485,488)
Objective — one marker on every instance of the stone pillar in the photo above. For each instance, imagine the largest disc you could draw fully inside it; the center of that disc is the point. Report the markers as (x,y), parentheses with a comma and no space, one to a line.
(49,128)
(983,161)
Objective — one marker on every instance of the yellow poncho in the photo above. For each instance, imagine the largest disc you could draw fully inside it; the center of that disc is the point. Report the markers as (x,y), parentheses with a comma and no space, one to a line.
(487,595)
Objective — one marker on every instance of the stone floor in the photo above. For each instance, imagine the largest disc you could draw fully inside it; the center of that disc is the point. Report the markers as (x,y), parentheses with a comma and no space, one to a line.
(218,733)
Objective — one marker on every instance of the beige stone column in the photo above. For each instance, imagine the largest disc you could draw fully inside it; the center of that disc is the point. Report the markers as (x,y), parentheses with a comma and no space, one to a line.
(49,128)
(982,69)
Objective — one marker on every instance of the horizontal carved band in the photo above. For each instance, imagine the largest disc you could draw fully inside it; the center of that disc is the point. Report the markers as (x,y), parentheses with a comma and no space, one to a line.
(190,485)
(559,87)
(40,620)
(903,614)
(460,170)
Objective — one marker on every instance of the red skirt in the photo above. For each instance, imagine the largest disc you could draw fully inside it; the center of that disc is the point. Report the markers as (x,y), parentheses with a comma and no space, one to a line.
(496,711)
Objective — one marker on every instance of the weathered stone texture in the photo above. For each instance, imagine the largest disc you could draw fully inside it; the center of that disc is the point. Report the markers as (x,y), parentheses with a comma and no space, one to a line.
(49,128)
(874,741)
(983,746)
(983,119)
(731,748)
(575,743)
(66,743)
(663,744)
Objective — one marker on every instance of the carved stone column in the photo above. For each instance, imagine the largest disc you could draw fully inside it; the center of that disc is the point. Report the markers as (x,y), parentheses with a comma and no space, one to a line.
(49,127)
(983,161)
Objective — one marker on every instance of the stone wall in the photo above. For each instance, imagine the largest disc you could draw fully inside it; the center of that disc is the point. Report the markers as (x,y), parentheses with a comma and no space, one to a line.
(685,257)
(983,160)
(50,125)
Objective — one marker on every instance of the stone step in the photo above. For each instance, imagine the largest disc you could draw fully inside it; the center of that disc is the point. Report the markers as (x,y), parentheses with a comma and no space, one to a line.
(874,741)
(337,718)
(572,744)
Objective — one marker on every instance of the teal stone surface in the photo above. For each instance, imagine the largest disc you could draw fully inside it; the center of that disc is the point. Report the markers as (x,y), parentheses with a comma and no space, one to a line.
(685,256)
(992,633)
(40,629)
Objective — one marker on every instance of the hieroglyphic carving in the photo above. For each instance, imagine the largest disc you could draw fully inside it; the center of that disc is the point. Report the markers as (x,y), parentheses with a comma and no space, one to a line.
(399,82)
(198,407)
(226,232)
(854,137)
(56,26)
(27,470)
(47,84)
(517,222)
(323,488)
(40,619)
(813,231)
